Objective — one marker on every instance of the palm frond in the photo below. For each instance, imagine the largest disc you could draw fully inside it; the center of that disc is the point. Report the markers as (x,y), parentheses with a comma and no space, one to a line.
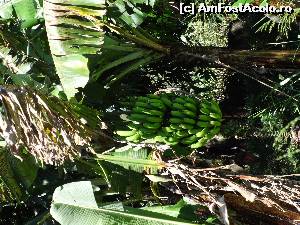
(281,23)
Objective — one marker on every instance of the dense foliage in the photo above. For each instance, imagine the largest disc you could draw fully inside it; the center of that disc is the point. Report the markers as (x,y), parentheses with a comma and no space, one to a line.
(130,112)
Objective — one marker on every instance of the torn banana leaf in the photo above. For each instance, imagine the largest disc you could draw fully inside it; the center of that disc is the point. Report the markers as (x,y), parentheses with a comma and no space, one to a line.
(72,36)
(46,126)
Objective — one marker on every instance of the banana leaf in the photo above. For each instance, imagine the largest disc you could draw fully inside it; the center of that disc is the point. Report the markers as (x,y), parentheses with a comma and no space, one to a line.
(73,36)
(16,175)
(26,11)
(73,200)
(49,128)
(132,158)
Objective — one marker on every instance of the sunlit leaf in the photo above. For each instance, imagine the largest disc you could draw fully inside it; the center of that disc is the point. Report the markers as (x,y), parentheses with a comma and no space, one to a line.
(72,36)
(72,201)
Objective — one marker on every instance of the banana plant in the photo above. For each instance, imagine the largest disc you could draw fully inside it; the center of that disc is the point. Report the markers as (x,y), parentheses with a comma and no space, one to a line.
(76,33)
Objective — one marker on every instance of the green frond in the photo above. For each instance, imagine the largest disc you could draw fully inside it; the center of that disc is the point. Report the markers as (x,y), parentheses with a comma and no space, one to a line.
(281,23)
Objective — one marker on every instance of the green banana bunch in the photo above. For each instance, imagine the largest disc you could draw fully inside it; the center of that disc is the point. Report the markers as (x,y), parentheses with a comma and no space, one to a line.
(173,120)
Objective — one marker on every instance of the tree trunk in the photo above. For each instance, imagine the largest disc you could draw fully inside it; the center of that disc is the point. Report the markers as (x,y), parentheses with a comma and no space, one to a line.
(220,57)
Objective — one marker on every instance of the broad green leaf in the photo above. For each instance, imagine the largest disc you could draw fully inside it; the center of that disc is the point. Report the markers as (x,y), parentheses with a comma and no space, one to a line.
(10,190)
(130,12)
(73,33)
(74,72)
(25,170)
(133,159)
(26,11)
(6,9)
(15,175)
(170,210)
(181,209)
(75,204)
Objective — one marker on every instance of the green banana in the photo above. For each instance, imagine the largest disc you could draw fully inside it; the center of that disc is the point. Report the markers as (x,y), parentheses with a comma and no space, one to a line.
(194,131)
(138,109)
(177,113)
(147,136)
(133,126)
(191,107)
(191,100)
(216,108)
(177,106)
(205,111)
(203,124)
(204,118)
(141,104)
(171,141)
(186,126)
(199,144)
(189,140)
(150,112)
(152,125)
(144,130)
(175,126)
(165,133)
(166,101)
(137,117)
(215,131)
(180,100)
(215,123)
(209,136)
(205,104)
(175,120)
(182,133)
(126,133)
(154,112)
(202,133)
(158,105)
(158,101)
(189,113)
(154,119)
(134,137)
(189,121)
(167,129)
(159,138)
(215,116)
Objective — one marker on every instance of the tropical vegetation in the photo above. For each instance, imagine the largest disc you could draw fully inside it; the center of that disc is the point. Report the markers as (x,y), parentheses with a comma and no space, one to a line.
(130,112)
